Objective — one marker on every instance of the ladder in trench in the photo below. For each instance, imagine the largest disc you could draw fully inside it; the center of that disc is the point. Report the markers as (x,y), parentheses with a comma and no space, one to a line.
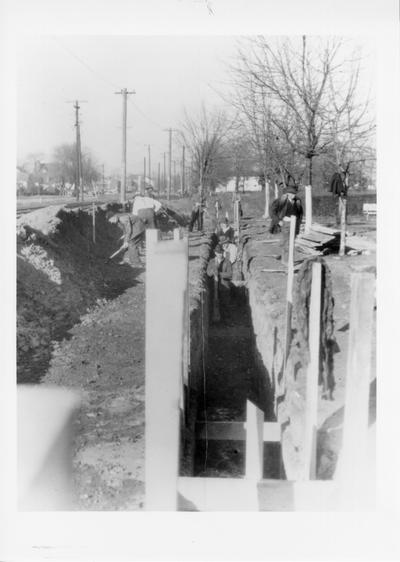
(166,380)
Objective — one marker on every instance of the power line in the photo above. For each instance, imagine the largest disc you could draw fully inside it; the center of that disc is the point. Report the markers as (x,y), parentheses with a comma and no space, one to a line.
(105,80)
(100,76)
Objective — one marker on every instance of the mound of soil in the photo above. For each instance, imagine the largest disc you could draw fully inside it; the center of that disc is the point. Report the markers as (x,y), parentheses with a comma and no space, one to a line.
(61,274)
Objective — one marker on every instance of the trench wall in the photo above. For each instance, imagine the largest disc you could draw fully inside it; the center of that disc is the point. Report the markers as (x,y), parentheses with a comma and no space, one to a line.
(199,255)
(267,298)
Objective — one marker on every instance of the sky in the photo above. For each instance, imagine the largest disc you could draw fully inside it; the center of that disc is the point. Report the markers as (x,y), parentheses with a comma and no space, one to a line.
(168,73)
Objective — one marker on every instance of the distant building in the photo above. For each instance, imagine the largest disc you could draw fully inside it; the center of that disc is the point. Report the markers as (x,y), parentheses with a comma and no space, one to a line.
(245,184)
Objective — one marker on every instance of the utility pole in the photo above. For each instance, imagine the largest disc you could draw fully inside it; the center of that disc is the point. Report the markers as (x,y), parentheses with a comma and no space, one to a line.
(79,184)
(144,172)
(149,154)
(158,177)
(165,177)
(124,92)
(174,182)
(170,131)
(183,171)
(78,181)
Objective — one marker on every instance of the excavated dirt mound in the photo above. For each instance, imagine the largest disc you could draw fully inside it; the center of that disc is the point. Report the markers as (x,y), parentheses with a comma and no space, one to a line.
(61,274)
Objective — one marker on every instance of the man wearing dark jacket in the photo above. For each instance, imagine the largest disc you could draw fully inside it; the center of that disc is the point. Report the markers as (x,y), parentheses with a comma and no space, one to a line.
(220,269)
(281,210)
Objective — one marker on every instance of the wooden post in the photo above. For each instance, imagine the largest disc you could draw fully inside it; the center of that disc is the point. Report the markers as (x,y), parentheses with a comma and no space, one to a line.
(236,216)
(353,462)
(342,207)
(216,316)
(164,347)
(254,441)
(289,290)
(308,190)
(314,335)
(186,321)
(94,223)
(266,208)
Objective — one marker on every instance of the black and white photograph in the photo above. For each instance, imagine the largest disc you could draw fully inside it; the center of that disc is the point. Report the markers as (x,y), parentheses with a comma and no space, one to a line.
(199,224)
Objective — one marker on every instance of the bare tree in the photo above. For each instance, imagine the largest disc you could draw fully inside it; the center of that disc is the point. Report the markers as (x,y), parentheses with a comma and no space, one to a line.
(64,158)
(206,137)
(296,102)
(350,126)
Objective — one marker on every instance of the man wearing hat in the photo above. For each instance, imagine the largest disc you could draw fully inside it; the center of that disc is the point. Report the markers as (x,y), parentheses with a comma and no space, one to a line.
(281,210)
(220,268)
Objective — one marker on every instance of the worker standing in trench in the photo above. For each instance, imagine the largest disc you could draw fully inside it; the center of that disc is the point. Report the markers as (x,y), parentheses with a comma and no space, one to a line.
(220,270)
(281,210)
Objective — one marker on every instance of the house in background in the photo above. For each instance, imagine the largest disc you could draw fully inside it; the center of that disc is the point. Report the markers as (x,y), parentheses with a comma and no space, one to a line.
(251,183)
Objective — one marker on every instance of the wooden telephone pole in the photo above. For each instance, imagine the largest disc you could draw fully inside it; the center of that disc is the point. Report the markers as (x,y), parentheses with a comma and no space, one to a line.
(183,171)
(79,172)
(124,92)
(170,131)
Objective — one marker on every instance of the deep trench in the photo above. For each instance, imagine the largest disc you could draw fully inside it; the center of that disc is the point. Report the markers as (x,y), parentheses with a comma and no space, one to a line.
(233,373)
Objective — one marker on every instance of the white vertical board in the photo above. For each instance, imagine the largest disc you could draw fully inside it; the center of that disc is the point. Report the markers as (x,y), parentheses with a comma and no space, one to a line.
(165,286)
(308,192)
(254,442)
(289,288)
(353,463)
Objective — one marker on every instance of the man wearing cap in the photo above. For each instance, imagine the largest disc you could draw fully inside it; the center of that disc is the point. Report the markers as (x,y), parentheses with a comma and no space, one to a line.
(281,210)
(220,268)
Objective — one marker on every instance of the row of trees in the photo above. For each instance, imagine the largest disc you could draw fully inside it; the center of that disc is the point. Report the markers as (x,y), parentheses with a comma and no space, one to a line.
(61,172)
(298,116)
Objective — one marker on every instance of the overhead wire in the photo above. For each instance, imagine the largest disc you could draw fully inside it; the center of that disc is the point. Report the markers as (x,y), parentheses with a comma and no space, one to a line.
(105,80)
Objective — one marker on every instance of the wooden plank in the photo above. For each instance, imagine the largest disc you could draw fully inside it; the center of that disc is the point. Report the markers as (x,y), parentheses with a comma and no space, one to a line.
(317,237)
(342,208)
(93,223)
(254,441)
(308,192)
(353,459)
(235,431)
(325,229)
(311,418)
(166,261)
(308,243)
(217,494)
(237,494)
(286,495)
(289,289)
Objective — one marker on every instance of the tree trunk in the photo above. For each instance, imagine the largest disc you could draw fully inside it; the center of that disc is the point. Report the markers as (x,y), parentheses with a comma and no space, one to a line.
(310,170)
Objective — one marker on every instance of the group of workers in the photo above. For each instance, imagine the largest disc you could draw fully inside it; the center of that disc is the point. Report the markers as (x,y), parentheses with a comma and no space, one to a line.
(225,269)
(225,265)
